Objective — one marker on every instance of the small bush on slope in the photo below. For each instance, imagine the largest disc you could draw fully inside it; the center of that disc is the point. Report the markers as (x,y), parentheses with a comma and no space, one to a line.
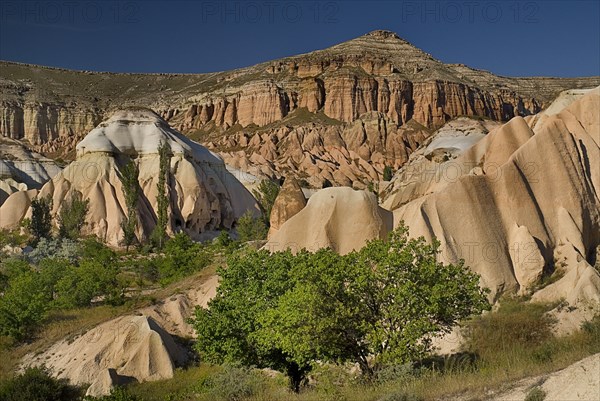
(251,228)
(71,217)
(36,384)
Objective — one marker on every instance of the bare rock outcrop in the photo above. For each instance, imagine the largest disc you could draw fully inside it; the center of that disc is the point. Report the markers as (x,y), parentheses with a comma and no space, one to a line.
(518,199)
(130,348)
(203,195)
(288,203)
(323,94)
(338,218)
(22,169)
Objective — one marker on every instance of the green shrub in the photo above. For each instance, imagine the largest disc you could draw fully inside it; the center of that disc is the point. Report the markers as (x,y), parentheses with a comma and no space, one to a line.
(11,238)
(387,173)
(592,327)
(536,394)
(55,248)
(36,384)
(394,372)
(81,284)
(182,257)
(515,323)
(24,305)
(40,225)
(265,194)
(71,217)
(93,249)
(223,240)
(234,384)
(250,228)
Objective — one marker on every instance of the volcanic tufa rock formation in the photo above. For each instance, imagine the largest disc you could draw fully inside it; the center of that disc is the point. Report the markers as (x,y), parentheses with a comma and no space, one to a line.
(341,113)
(288,203)
(339,218)
(22,169)
(203,195)
(129,348)
(521,203)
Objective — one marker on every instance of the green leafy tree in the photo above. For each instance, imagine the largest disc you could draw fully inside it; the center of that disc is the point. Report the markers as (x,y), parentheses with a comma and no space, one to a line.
(227,331)
(129,180)
(379,305)
(91,248)
(81,284)
(265,194)
(71,217)
(382,304)
(36,384)
(182,257)
(41,218)
(23,305)
(162,199)
(387,173)
(250,228)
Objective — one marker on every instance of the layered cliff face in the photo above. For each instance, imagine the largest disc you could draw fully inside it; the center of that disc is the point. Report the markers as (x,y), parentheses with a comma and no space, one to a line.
(378,73)
(203,195)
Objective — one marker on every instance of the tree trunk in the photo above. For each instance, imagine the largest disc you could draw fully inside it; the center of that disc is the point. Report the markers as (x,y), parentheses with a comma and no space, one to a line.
(297,376)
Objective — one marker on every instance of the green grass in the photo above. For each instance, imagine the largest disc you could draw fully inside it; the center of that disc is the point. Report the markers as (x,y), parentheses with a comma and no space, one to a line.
(510,344)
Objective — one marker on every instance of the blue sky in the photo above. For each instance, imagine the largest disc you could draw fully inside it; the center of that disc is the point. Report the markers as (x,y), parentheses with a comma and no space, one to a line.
(513,38)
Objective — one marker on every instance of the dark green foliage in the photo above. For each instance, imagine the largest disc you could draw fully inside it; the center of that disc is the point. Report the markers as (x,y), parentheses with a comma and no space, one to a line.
(23,305)
(223,240)
(131,188)
(41,219)
(36,384)
(378,305)
(387,173)
(91,248)
(162,199)
(265,195)
(79,285)
(71,217)
(250,228)
(182,257)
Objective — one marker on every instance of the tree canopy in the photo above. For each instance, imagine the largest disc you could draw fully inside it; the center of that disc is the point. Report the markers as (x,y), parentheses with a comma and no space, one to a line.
(381,304)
